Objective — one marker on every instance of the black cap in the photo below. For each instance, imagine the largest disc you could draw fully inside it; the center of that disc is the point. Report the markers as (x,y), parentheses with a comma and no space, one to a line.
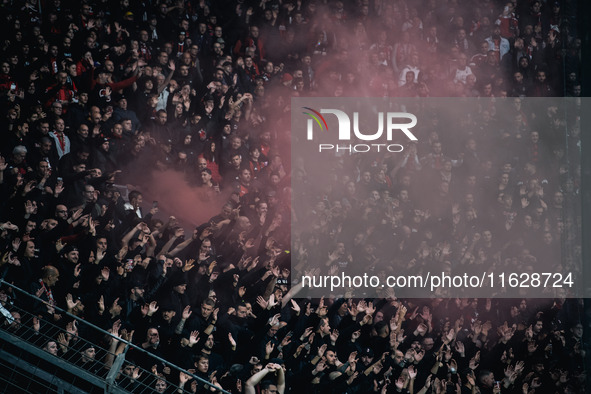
(166,307)
(177,279)
(69,248)
(277,361)
(86,345)
(137,284)
(367,352)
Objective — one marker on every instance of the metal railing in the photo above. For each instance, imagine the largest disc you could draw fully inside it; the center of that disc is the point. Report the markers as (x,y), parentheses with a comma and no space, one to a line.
(23,342)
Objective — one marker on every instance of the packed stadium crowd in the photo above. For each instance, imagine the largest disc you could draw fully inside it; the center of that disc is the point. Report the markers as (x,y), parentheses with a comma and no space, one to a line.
(101,98)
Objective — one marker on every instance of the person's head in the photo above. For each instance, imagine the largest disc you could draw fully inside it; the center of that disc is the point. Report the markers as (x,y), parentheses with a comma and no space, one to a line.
(367,356)
(51,347)
(241,310)
(576,90)
(207,307)
(577,331)
(72,255)
(254,31)
(46,145)
(486,378)
(30,224)
(160,386)
(29,250)
(409,77)
(272,331)
(128,369)
(50,275)
(262,207)
(209,342)
(330,357)
(324,326)
(206,176)
(59,125)
(186,59)
(268,387)
(5,67)
(236,160)
(161,117)
(496,30)
(168,314)
(235,142)
(201,163)
(22,128)
(88,354)
(135,198)
(218,49)
(153,336)
(19,153)
(218,75)
(89,193)
(49,224)
(538,366)
(136,292)
(180,288)
(245,175)
(205,246)
(163,58)
(428,343)
(202,363)
(43,129)
(43,168)
(558,198)
(61,212)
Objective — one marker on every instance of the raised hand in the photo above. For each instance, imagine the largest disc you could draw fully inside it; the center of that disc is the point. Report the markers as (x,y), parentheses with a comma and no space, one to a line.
(529,333)
(105,272)
(295,306)
(70,302)
(275,320)
(334,335)
(419,355)
(183,378)
(241,291)
(72,328)
(115,328)
(101,305)
(63,341)
(321,366)
(474,361)
(460,348)
(451,334)
(152,308)
(262,303)
(271,302)
(193,338)
(269,347)
(422,329)
(232,340)
(186,313)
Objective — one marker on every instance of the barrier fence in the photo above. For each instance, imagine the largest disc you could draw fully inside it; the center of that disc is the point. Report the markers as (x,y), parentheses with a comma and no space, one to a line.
(40,356)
